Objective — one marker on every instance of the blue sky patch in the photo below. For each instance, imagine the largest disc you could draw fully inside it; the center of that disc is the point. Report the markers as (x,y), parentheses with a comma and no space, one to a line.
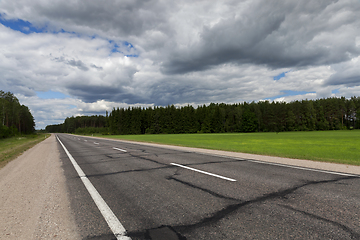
(51,95)
(278,77)
(116,48)
(286,93)
(129,45)
(132,55)
(335,91)
(20,25)
(281,75)
(27,27)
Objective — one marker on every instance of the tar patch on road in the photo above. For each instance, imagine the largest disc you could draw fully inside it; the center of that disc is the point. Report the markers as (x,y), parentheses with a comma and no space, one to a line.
(162,233)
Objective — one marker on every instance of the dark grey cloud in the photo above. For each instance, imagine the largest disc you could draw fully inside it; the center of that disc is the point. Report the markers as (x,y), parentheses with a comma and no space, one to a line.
(123,18)
(74,63)
(195,89)
(16,86)
(349,78)
(79,64)
(118,53)
(277,34)
(90,94)
(96,67)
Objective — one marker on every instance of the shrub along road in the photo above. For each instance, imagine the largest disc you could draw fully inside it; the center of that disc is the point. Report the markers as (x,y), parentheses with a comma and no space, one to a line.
(158,191)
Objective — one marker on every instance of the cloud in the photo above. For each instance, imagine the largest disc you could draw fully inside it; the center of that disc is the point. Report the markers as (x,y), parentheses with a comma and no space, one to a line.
(347,74)
(82,66)
(110,18)
(79,64)
(54,111)
(96,67)
(277,34)
(132,53)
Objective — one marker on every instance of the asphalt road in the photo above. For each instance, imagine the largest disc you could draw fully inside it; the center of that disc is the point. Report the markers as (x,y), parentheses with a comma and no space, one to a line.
(155,197)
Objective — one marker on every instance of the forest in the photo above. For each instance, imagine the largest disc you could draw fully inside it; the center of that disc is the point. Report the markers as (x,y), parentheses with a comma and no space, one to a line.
(15,119)
(263,116)
(81,125)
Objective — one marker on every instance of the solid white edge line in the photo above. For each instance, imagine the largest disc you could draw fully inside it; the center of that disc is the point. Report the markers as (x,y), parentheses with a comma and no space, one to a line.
(119,149)
(207,173)
(303,168)
(113,222)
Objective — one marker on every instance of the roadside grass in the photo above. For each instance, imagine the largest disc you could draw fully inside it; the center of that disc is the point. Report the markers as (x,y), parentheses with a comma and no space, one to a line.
(329,146)
(11,148)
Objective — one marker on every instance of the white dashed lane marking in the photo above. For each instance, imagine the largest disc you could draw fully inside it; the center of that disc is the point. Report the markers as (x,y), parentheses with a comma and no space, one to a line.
(119,149)
(207,173)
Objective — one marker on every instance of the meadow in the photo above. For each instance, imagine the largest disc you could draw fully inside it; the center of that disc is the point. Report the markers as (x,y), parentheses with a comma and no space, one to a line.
(10,148)
(341,146)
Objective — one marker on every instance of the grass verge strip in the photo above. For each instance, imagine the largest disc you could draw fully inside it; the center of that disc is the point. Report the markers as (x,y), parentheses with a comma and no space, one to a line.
(11,148)
(328,146)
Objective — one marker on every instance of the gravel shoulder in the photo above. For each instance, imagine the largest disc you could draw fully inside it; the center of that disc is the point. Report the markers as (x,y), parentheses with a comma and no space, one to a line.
(34,201)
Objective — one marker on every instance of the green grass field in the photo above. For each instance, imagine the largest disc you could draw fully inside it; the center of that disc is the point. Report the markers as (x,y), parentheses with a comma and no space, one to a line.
(10,148)
(330,146)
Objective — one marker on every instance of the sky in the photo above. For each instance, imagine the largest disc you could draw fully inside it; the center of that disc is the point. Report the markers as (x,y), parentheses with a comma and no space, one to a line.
(71,58)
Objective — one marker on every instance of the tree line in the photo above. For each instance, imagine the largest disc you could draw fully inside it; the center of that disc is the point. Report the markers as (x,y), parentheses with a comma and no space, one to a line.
(80,125)
(264,116)
(15,118)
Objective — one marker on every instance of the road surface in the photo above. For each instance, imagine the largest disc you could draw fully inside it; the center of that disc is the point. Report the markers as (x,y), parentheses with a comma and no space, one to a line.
(161,193)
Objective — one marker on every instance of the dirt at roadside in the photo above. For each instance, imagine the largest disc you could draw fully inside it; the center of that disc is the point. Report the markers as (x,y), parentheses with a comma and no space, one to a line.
(34,202)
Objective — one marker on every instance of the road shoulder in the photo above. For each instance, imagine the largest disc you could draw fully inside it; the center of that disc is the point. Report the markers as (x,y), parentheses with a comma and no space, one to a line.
(34,203)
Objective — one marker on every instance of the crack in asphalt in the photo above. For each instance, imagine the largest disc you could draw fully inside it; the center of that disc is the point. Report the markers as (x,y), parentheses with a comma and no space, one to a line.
(128,171)
(163,232)
(354,235)
(203,189)
(147,159)
(230,209)
(165,166)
